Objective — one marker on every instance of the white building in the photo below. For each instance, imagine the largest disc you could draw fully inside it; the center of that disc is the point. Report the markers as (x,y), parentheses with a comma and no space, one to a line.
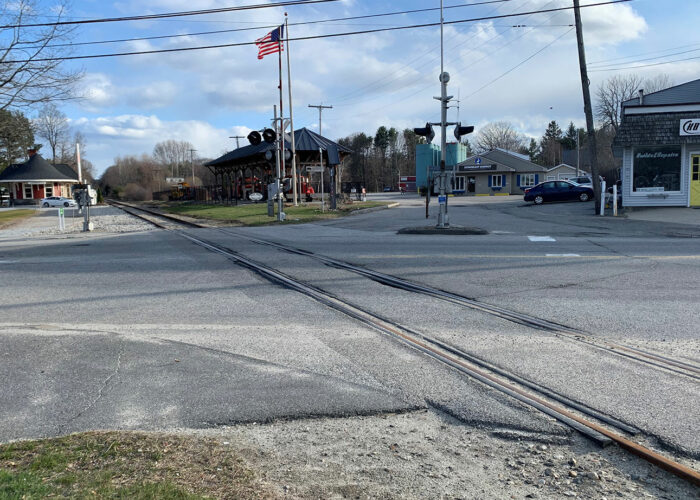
(659,140)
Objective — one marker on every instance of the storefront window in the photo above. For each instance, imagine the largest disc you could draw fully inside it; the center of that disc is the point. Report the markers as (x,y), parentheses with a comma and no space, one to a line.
(656,169)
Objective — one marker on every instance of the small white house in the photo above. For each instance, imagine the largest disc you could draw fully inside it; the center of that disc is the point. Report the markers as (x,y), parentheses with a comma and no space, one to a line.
(564,172)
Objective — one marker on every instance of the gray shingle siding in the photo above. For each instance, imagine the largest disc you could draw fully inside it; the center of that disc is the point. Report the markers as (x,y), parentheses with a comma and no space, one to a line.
(653,129)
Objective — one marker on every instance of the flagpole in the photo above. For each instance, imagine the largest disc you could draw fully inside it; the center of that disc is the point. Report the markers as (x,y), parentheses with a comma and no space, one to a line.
(291,116)
(280,196)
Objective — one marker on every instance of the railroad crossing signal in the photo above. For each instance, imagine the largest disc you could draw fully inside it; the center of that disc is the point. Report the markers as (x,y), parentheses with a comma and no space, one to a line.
(426,132)
(460,131)
(268,135)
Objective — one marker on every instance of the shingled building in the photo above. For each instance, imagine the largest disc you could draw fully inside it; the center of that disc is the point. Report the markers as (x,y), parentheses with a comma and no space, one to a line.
(35,179)
(659,141)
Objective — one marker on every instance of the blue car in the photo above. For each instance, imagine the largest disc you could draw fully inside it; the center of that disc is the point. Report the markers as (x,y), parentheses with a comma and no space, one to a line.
(558,191)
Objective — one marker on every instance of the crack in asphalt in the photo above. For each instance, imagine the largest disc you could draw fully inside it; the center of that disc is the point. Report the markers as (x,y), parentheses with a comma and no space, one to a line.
(101,390)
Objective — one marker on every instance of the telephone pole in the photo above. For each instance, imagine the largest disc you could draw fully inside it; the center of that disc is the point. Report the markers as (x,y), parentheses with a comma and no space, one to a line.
(236,137)
(320,107)
(588,110)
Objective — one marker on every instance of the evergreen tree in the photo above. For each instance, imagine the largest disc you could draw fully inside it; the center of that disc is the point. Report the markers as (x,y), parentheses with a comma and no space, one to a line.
(16,137)
(569,139)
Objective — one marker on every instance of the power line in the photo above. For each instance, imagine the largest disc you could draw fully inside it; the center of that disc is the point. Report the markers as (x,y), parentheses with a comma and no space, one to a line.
(521,62)
(472,63)
(233,30)
(312,37)
(644,54)
(603,66)
(384,81)
(145,17)
(645,65)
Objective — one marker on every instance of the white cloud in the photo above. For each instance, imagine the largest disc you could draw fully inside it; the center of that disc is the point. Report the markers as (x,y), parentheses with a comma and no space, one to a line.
(111,136)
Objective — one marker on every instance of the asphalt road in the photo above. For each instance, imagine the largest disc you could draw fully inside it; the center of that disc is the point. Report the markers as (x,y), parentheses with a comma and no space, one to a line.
(148,331)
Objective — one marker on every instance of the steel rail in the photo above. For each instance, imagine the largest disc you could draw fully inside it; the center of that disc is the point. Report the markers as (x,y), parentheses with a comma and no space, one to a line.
(520,318)
(673,365)
(454,359)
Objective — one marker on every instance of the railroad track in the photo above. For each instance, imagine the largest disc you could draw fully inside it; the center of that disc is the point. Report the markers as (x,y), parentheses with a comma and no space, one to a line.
(588,421)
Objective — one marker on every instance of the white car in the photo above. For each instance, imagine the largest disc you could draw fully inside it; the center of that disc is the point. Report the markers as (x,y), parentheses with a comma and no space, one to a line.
(58,201)
(582,181)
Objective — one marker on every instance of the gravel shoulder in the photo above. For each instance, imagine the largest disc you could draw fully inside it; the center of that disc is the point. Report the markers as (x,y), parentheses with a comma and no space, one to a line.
(426,454)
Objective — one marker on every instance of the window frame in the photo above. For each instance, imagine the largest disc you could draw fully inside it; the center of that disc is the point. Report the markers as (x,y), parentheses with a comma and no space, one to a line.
(530,177)
(30,187)
(635,149)
(493,180)
(48,187)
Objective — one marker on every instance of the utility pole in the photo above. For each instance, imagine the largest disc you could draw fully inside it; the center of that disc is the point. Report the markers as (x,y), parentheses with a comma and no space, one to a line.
(192,164)
(590,127)
(320,107)
(236,137)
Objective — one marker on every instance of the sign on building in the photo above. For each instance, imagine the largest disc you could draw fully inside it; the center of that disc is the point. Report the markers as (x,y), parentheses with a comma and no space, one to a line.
(174,180)
(690,126)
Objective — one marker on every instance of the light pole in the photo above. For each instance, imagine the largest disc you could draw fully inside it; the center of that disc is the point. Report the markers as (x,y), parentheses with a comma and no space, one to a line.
(443,220)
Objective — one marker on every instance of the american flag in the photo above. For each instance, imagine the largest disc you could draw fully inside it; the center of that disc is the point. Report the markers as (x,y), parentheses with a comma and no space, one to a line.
(270,43)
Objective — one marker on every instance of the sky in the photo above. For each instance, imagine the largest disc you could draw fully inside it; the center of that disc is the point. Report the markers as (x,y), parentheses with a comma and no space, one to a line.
(519,69)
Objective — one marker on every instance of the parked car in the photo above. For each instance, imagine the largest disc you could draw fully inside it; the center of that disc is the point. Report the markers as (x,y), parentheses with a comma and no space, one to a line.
(582,181)
(558,191)
(58,201)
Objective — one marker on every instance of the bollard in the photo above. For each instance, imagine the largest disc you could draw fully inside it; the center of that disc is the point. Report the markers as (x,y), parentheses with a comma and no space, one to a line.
(615,200)
(602,197)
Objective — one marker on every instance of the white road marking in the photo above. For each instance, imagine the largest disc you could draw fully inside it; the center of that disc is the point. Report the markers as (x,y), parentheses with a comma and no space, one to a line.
(562,255)
(501,232)
(541,238)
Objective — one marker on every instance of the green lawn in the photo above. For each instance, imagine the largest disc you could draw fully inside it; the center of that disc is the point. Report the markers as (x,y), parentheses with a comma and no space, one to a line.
(9,216)
(256,214)
(125,465)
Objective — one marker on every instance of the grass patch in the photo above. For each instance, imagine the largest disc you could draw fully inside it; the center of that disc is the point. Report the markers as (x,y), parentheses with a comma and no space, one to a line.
(255,214)
(123,465)
(8,217)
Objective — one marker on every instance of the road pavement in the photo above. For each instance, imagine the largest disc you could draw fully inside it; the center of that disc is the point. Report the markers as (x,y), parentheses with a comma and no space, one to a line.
(147,330)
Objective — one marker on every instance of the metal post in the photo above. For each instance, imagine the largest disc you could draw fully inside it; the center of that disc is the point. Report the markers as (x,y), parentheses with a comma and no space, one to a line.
(444,99)
(295,192)
(320,155)
(578,153)
(280,207)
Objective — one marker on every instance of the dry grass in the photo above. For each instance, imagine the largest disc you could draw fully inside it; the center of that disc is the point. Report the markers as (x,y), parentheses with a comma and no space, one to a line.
(9,217)
(126,465)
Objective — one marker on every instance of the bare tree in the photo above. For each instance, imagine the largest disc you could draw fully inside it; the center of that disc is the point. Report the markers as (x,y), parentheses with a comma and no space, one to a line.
(659,82)
(498,135)
(619,88)
(52,125)
(174,155)
(29,73)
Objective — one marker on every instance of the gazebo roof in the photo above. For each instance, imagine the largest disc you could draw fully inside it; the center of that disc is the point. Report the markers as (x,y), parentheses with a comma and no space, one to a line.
(37,169)
(305,141)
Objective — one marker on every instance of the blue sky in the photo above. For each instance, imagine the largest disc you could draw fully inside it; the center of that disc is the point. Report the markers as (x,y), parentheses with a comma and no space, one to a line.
(525,75)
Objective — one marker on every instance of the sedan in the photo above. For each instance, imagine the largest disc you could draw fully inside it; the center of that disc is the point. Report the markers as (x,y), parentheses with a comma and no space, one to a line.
(58,201)
(557,191)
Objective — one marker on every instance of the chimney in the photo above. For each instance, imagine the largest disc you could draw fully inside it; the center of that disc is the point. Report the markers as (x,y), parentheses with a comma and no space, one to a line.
(641,96)
(31,152)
